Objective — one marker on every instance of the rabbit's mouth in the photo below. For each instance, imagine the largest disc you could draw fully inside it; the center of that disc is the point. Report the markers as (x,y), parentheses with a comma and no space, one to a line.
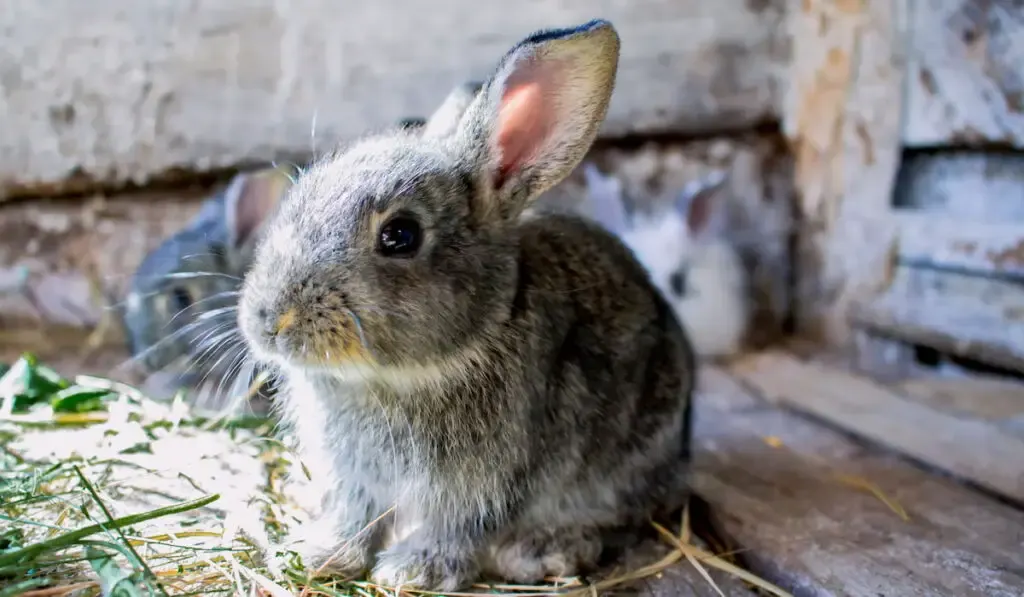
(295,339)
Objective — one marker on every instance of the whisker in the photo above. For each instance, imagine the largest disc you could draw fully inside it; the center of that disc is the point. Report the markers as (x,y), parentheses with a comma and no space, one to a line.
(359,329)
(215,313)
(312,133)
(192,275)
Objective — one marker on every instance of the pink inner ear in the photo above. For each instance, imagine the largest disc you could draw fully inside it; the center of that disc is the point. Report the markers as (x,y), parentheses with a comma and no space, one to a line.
(699,213)
(257,201)
(525,119)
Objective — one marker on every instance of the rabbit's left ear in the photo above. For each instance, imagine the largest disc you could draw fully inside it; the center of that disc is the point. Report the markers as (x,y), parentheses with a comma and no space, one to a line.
(701,206)
(537,116)
(604,199)
(249,200)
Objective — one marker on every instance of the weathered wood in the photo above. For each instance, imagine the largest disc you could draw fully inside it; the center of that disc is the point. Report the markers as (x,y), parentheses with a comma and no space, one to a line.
(679,579)
(948,242)
(981,186)
(967,316)
(133,90)
(965,83)
(994,400)
(882,358)
(843,116)
(971,449)
(776,484)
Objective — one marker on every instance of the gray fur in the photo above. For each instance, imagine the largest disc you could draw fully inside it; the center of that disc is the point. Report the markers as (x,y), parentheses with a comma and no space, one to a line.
(201,268)
(514,389)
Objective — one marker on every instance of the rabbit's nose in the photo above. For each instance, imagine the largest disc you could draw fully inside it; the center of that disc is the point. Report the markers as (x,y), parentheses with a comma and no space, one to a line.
(275,326)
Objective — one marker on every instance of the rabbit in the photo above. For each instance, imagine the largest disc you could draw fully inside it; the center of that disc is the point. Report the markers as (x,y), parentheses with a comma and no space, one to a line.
(179,313)
(182,296)
(472,391)
(687,254)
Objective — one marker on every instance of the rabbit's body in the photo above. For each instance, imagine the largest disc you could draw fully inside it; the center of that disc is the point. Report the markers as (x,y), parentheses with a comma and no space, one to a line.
(684,250)
(494,390)
(480,440)
(716,306)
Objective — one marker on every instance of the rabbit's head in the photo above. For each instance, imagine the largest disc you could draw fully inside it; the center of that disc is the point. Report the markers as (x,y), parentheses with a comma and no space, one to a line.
(666,240)
(183,294)
(397,251)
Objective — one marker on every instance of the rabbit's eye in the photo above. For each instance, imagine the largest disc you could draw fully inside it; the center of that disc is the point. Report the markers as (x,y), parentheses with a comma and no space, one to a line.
(182,299)
(401,236)
(677,282)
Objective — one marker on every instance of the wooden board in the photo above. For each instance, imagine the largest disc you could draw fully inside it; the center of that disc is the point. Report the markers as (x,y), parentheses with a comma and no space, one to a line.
(971,449)
(985,398)
(948,242)
(968,316)
(965,83)
(137,89)
(982,186)
(842,114)
(775,484)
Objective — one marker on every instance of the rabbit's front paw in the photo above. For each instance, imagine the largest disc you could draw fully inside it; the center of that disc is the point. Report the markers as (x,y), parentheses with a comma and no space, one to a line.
(323,551)
(530,556)
(437,567)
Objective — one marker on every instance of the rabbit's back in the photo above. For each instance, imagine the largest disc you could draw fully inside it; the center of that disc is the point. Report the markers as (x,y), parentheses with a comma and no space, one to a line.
(615,408)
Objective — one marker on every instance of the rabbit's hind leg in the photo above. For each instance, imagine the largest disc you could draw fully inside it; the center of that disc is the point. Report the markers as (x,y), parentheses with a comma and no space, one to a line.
(530,555)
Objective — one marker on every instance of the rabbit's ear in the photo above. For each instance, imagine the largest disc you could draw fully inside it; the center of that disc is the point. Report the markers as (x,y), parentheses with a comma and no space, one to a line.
(249,200)
(604,198)
(698,203)
(539,113)
(445,120)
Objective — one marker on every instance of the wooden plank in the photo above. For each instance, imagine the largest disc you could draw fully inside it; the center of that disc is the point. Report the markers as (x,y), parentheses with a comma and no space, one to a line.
(966,316)
(774,482)
(138,89)
(981,186)
(842,113)
(679,579)
(945,241)
(966,73)
(986,398)
(882,358)
(971,449)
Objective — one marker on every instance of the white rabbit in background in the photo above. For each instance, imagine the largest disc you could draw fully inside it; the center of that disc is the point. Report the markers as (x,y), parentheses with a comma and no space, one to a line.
(685,251)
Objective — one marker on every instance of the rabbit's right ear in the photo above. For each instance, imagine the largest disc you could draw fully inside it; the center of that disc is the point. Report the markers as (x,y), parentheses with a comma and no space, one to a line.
(537,116)
(697,202)
(604,199)
(445,119)
(249,200)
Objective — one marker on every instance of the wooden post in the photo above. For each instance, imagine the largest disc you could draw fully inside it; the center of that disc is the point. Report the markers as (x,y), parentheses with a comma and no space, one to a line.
(843,116)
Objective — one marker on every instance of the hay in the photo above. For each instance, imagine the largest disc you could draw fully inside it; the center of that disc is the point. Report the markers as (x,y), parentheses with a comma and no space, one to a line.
(106,492)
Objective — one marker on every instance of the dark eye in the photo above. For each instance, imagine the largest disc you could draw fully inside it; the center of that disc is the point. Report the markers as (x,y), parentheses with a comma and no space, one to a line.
(400,237)
(182,299)
(677,282)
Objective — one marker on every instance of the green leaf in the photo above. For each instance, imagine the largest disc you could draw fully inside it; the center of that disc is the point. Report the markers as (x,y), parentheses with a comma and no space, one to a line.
(27,383)
(24,586)
(78,399)
(114,582)
(12,539)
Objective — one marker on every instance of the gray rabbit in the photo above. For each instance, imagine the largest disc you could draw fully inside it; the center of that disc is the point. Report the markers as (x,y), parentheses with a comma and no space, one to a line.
(473,390)
(179,314)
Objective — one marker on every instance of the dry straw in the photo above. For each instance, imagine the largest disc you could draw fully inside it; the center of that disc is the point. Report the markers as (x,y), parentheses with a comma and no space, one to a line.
(105,492)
